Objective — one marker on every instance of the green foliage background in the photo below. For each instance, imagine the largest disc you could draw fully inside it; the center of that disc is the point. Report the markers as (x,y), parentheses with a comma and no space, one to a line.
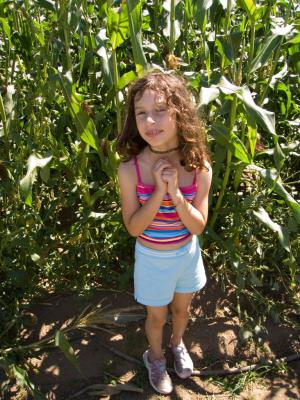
(64,70)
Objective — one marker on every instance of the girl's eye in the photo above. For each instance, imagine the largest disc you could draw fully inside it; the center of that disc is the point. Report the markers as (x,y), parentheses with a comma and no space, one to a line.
(161,110)
(140,113)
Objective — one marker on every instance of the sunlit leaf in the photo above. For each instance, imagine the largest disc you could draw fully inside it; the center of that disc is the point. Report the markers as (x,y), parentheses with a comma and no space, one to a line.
(295,39)
(274,182)
(282,232)
(6,28)
(208,94)
(228,139)
(278,157)
(268,46)
(117,25)
(84,124)
(48,4)
(264,118)
(126,78)
(105,65)
(62,342)
(281,74)
(23,380)
(249,6)
(34,162)
(134,12)
(201,8)
(252,133)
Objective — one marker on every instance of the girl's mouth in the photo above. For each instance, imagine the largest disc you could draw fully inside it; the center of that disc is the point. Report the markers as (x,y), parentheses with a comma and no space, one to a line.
(152,132)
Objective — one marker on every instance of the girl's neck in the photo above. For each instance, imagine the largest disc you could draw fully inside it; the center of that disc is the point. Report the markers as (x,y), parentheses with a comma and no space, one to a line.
(162,152)
(173,156)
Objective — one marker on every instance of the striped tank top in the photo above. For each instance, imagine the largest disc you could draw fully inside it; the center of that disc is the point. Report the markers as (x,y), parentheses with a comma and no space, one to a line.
(166,227)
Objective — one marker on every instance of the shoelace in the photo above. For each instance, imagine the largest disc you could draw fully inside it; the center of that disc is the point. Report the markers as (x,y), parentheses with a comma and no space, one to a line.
(158,369)
(180,355)
(180,351)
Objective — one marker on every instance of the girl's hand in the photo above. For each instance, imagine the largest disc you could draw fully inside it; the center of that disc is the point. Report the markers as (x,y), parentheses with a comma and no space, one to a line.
(170,177)
(157,171)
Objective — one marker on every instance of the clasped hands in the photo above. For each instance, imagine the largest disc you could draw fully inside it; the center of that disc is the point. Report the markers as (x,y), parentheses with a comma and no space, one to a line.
(166,178)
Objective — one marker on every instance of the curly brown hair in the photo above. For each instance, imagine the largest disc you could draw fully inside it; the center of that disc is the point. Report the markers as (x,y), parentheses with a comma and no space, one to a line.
(191,131)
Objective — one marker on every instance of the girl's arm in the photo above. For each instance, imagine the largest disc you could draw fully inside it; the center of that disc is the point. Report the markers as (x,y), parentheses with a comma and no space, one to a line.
(193,216)
(136,218)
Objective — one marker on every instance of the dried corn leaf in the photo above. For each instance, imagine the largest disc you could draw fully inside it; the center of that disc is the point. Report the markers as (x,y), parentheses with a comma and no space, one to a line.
(100,389)
(115,317)
(109,391)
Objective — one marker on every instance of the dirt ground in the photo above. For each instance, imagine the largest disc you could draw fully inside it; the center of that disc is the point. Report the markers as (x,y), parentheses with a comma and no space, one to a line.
(212,337)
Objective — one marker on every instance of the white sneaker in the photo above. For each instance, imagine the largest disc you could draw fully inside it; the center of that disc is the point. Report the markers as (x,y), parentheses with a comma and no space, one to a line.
(183,363)
(158,375)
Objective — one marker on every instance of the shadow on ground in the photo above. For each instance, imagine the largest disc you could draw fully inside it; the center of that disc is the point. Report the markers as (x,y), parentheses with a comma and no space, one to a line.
(212,337)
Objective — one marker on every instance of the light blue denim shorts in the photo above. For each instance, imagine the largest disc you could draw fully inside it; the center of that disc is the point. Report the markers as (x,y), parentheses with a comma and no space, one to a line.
(158,274)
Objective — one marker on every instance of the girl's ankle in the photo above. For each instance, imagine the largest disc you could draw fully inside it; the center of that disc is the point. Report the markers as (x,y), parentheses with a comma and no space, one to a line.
(154,357)
(176,343)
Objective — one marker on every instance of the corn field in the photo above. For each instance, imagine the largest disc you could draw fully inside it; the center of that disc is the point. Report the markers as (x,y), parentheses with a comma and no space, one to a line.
(65,66)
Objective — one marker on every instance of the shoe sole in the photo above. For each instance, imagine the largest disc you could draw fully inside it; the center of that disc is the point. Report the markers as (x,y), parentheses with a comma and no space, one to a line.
(146,363)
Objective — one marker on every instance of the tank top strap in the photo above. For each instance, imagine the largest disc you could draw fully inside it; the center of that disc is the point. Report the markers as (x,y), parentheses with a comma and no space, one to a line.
(195,177)
(137,168)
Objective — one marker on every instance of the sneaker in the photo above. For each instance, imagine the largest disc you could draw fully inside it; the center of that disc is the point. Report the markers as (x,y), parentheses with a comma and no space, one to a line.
(158,376)
(183,363)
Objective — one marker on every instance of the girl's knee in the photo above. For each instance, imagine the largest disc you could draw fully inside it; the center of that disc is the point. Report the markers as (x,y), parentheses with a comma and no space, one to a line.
(157,318)
(180,312)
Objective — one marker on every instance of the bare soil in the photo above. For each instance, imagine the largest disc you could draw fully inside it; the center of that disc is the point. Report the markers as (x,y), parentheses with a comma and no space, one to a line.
(212,337)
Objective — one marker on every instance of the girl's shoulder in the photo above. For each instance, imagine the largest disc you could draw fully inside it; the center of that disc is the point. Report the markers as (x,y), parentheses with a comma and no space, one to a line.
(127,171)
(207,166)
(126,167)
(204,173)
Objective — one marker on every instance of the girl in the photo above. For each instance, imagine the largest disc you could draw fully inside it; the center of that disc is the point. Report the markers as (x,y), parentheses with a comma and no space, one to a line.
(164,184)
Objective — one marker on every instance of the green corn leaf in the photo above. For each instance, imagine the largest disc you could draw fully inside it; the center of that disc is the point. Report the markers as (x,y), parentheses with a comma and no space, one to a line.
(208,94)
(134,12)
(84,124)
(282,232)
(249,6)
(48,4)
(269,46)
(62,342)
(273,181)
(102,52)
(252,133)
(23,380)
(6,28)
(295,39)
(81,53)
(117,25)
(188,9)
(279,157)
(173,29)
(125,79)
(229,140)
(264,118)
(201,8)
(281,74)
(225,50)
(26,183)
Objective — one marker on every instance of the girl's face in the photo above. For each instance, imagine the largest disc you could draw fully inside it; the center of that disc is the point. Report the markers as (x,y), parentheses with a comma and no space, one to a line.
(156,122)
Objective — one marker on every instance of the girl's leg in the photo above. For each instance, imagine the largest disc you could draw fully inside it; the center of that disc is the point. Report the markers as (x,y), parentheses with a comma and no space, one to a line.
(180,308)
(156,319)
(154,359)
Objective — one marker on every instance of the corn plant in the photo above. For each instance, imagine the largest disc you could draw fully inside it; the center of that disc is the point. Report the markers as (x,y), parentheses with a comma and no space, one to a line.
(65,67)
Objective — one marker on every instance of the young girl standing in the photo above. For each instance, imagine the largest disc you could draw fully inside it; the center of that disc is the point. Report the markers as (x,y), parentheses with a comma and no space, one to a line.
(164,184)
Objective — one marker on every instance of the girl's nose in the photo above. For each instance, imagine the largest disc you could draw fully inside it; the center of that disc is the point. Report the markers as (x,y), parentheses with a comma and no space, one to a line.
(150,119)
